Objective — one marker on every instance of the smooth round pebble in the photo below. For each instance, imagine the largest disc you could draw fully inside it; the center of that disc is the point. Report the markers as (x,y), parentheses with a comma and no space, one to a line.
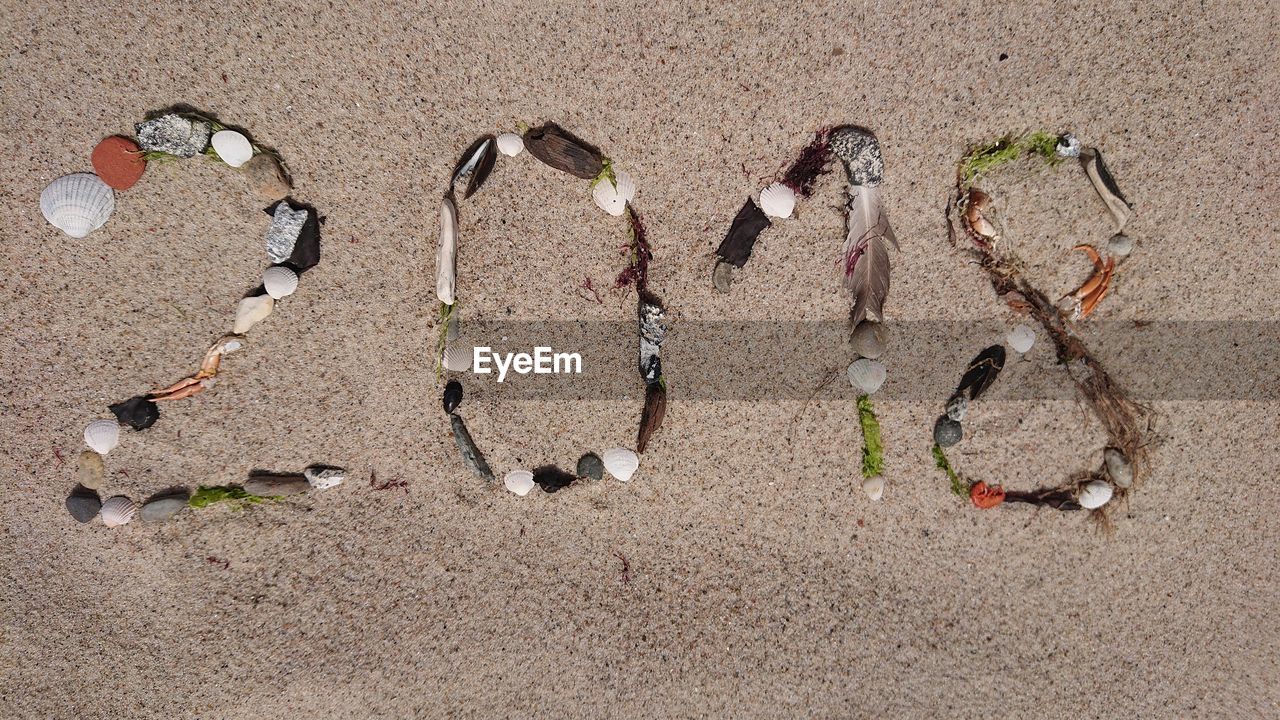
(266,177)
(1120,245)
(118,161)
(162,509)
(722,277)
(90,470)
(269,485)
(947,432)
(869,339)
(83,504)
(1118,467)
(590,466)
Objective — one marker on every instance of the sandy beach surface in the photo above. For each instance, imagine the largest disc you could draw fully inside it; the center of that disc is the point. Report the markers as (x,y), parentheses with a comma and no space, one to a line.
(742,573)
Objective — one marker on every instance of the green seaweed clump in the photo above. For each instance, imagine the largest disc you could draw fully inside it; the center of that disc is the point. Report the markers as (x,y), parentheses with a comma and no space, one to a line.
(234,494)
(872,448)
(986,158)
(958,485)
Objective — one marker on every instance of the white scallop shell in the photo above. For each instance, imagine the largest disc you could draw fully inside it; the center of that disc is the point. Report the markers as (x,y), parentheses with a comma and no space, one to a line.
(77,204)
(866,375)
(510,144)
(102,436)
(279,281)
(457,357)
(447,253)
(1021,338)
(251,311)
(778,200)
(118,511)
(233,148)
(1095,495)
(873,487)
(519,482)
(621,463)
(613,198)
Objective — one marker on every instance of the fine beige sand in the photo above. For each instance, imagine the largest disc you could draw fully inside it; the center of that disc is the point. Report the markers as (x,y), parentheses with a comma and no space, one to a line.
(761,582)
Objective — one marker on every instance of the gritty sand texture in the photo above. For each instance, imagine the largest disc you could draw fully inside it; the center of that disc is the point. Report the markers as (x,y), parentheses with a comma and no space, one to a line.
(762,582)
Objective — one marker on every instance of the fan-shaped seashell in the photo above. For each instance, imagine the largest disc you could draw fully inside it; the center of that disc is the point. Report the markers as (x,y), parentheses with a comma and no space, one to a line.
(873,487)
(621,463)
(1120,245)
(778,200)
(251,311)
(1118,467)
(866,375)
(447,252)
(869,339)
(457,357)
(1021,338)
(233,148)
(510,144)
(279,281)
(612,197)
(1095,495)
(118,511)
(102,436)
(77,204)
(519,482)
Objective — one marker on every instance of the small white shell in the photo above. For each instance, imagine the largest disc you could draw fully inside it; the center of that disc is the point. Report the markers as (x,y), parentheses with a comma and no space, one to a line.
(510,144)
(613,198)
(457,357)
(621,463)
(118,511)
(778,200)
(1118,467)
(447,253)
(1095,495)
(251,311)
(102,436)
(323,478)
(866,375)
(873,487)
(1021,338)
(77,204)
(279,281)
(519,482)
(1120,245)
(233,148)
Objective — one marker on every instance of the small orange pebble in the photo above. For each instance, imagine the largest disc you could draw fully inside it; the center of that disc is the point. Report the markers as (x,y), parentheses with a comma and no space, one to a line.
(986,497)
(118,161)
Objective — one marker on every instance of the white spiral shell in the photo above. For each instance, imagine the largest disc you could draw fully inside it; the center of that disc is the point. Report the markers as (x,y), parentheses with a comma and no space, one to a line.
(510,144)
(519,482)
(778,200)
(621,463)
(1095,495)
(118,511)
(867,375)
(279,281)
(77,204)
(234,148)
(102,436)
(613,198)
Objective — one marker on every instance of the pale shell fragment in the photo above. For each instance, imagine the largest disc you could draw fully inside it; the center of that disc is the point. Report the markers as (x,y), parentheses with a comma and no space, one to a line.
(519,482)
(77,204)
(233,148)
(457,357)
(118,511)
(102,436)
(279,281)
(1118,467)
(873,487)
(866,375)
(323,478)
(251,311)
(778,201)
(612,197)
(621,463)
(510,144)
(447,253)
(1021,338)
(1120,245)
(1095,495)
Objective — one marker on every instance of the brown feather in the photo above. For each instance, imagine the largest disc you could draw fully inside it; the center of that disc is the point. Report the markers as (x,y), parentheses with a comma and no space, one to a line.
(558,148)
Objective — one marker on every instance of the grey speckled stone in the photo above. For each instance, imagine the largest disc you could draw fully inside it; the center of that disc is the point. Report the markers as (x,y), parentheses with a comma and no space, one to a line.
(591,466)
(957,407)
(83,504)
(162,509)
(722,276)
(286,226)
(268,484)
(173,134)
(859,150)
(947,432)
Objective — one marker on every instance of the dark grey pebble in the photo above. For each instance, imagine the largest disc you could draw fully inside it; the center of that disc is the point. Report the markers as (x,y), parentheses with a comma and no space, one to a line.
(138,412)
(947,432)
(552,479)
(83,504)
(591,466)
(269,484)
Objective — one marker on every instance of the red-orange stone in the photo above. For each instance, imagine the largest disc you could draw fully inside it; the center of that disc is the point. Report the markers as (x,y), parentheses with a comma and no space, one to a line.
(117,161)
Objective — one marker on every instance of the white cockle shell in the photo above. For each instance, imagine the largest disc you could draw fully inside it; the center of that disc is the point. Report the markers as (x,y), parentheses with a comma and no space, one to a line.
(1095,494)
(279,281)
(778,200)
(613,198)
(102,436)
(233,148)
(519,482)
(118,511)
(1021,338)
(621,463)
(510,144)
(77,204)
(447,253)
(873,487)
(457,356)
(867,375)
